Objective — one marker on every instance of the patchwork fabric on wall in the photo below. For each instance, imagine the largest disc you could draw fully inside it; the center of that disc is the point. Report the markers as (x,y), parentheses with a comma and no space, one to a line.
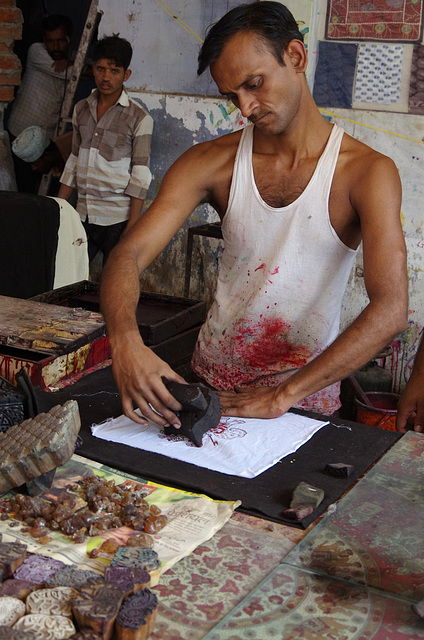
(375,20)
(416,89)
(335,74)
(369,76)
(379,73)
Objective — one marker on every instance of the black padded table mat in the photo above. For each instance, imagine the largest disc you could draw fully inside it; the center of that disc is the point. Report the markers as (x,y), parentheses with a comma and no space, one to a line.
(265,496)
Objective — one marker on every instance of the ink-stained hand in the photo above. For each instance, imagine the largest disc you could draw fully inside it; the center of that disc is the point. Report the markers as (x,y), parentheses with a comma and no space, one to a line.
(262,402)
(138,374)
(411,405)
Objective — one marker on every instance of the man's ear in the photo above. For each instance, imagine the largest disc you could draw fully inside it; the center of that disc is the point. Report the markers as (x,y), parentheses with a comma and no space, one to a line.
(127,74)
(296,55)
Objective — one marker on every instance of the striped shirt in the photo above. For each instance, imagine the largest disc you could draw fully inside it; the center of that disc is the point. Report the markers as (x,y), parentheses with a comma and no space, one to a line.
(109,162)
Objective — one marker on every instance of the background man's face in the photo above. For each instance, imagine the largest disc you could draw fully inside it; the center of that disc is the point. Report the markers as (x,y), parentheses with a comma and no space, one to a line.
(57,43)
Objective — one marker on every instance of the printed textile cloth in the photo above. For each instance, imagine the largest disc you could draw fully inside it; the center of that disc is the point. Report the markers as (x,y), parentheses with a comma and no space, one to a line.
(379,73)
(383,20)
(416,87)
(227,448)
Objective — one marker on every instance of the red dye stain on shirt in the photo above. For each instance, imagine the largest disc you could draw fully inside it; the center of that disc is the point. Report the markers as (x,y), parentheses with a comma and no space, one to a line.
(267,344)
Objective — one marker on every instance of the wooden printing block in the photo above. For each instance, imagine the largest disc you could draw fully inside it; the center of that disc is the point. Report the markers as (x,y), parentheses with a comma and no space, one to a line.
(12,555)
(85,634)
(38,568)
(306,494)
(97,606)
(8,633)
(46,627)
(128,579)
(70,576)
(52,602)
(137,616)
(11,610)
(140,557)
(38,445)
(18,588)
(339,469)
(201,410)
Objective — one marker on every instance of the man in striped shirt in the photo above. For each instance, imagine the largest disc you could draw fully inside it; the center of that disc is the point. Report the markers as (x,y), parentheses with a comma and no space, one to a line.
(109,162)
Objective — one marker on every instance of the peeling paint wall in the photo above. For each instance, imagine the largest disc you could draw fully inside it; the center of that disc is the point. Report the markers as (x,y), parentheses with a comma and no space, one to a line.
(184,120)
(180,122)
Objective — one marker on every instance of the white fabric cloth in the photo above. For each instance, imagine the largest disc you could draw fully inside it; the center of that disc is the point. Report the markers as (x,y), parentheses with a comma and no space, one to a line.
(31,144)
(242,447)
(281,283)
(72,254)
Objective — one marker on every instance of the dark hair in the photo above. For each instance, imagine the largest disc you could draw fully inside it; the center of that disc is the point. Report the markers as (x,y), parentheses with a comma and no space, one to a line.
(56,20)
(114,48)
(272,21)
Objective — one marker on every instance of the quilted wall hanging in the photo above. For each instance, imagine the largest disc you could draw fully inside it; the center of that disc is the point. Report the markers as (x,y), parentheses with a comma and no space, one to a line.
(393,20)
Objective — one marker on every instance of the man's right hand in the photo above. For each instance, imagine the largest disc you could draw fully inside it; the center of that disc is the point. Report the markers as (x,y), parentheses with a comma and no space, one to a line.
(60,65)
(138,374)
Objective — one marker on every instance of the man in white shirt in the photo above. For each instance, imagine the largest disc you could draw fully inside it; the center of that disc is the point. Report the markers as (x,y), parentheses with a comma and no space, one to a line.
(40,95)
(39,98)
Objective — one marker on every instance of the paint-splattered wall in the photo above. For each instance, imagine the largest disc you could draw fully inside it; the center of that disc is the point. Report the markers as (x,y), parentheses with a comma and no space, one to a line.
(186,113)
(180,122)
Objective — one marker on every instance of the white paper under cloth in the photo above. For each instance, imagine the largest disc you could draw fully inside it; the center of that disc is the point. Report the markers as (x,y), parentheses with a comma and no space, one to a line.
(237,446)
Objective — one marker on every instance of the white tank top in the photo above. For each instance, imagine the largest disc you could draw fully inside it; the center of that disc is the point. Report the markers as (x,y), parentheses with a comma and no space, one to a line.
(281,283)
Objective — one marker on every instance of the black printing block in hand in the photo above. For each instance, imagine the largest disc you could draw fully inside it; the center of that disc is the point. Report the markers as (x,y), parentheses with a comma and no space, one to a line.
(201,410)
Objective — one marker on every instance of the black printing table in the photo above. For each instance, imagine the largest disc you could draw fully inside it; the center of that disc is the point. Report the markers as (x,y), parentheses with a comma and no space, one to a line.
(265,496)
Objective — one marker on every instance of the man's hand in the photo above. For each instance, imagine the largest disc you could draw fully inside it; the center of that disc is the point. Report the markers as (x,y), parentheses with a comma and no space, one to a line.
(60,65)
(262,402)
(138,374)
(411,405)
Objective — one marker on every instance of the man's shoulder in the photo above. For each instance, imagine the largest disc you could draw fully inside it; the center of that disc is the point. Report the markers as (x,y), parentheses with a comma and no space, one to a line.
(357,149)
(37,51)
(37,46)
(138,109)
(225,144)
(356,156)
(83,103)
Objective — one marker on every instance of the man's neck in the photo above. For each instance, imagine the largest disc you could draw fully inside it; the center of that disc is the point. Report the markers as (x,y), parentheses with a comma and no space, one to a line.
(306,135)
(106,102)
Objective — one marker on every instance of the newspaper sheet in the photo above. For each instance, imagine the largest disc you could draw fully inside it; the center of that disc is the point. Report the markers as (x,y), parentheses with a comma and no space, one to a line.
(192,519)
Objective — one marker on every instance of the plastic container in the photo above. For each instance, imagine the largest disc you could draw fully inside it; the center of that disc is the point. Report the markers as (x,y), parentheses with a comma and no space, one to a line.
(381,413)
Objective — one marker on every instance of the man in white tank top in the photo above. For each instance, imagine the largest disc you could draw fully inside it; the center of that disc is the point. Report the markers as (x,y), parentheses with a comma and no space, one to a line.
(296,197)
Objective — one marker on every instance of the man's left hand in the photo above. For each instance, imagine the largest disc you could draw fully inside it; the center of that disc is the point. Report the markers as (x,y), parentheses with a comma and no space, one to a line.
(261,402)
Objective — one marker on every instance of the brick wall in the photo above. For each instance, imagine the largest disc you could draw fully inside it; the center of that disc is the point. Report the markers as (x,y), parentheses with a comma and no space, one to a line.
(10,66)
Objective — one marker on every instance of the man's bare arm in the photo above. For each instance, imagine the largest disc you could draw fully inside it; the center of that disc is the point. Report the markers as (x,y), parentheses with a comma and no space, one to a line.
(65,191)
(137,370)
(377,200)
(411,404)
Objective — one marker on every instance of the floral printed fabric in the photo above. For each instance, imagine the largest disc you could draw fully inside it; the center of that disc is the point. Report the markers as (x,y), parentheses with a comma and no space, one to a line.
(379,73)
(383,20)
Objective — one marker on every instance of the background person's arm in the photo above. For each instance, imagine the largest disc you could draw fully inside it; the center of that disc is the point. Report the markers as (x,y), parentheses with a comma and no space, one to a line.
(411,404)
